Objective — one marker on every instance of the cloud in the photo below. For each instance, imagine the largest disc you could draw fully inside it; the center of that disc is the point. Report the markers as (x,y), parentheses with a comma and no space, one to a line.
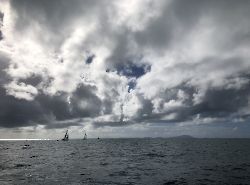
(1,24)
(116,63)
(52,111)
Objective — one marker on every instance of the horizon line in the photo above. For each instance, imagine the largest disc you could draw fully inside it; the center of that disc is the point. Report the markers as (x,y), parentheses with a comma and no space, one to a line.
(33,139)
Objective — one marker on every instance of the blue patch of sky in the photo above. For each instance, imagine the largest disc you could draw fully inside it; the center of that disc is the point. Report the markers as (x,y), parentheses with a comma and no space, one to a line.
(133,70)
(90,59)
(131,85)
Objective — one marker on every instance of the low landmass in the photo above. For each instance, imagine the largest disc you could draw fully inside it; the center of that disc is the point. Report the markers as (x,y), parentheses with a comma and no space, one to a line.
(183,137)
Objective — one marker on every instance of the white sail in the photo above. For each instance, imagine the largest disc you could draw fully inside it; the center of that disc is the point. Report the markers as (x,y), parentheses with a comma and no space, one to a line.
(66,136)
(85,136)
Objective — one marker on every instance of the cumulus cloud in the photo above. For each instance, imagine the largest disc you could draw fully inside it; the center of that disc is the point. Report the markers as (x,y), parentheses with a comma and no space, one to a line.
(116,63)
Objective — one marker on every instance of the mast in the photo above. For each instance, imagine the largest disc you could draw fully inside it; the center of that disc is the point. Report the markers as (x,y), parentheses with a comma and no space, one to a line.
(66,136)
(85,136)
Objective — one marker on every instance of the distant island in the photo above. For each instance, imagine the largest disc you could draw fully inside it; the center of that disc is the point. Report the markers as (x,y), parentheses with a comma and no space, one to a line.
(183,137)
(172,137)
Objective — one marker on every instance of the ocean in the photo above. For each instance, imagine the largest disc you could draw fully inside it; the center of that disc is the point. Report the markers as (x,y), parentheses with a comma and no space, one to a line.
(126,161)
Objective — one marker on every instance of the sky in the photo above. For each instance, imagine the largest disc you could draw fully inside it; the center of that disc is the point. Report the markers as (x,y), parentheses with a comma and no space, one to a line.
(124,68)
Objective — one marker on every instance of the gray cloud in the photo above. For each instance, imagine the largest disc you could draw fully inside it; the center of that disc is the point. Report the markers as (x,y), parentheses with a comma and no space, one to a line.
(217,103)
(4,64)
(49,110)
(119,64)
(1,24)
(32,80)
(56,18)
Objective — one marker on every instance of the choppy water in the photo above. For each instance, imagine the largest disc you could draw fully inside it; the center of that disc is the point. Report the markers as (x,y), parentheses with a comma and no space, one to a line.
(126,161)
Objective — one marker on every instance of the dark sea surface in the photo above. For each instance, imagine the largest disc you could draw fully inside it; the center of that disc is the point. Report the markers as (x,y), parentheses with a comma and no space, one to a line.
(126,161)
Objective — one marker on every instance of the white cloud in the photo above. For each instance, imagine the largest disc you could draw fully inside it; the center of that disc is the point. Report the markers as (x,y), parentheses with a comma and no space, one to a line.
(190,52)
(21,90)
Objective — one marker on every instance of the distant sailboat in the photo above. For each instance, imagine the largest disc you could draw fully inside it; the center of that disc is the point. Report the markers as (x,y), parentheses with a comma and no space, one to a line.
(85,136)
(66,136)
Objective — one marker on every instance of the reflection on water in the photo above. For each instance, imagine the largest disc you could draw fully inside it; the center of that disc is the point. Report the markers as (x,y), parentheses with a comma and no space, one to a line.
(126,161)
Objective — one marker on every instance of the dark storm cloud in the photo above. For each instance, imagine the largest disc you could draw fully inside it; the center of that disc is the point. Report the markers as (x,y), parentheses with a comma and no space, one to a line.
(223,102)
(18,113)
(82,103)
(85,102)
(48,110)
(219,103)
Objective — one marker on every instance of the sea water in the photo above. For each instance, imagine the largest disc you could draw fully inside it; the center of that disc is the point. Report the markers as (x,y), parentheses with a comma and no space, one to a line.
(126,161)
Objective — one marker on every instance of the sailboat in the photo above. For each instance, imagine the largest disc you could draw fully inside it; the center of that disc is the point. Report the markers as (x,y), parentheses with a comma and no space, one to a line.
(85,136)
(66,136)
